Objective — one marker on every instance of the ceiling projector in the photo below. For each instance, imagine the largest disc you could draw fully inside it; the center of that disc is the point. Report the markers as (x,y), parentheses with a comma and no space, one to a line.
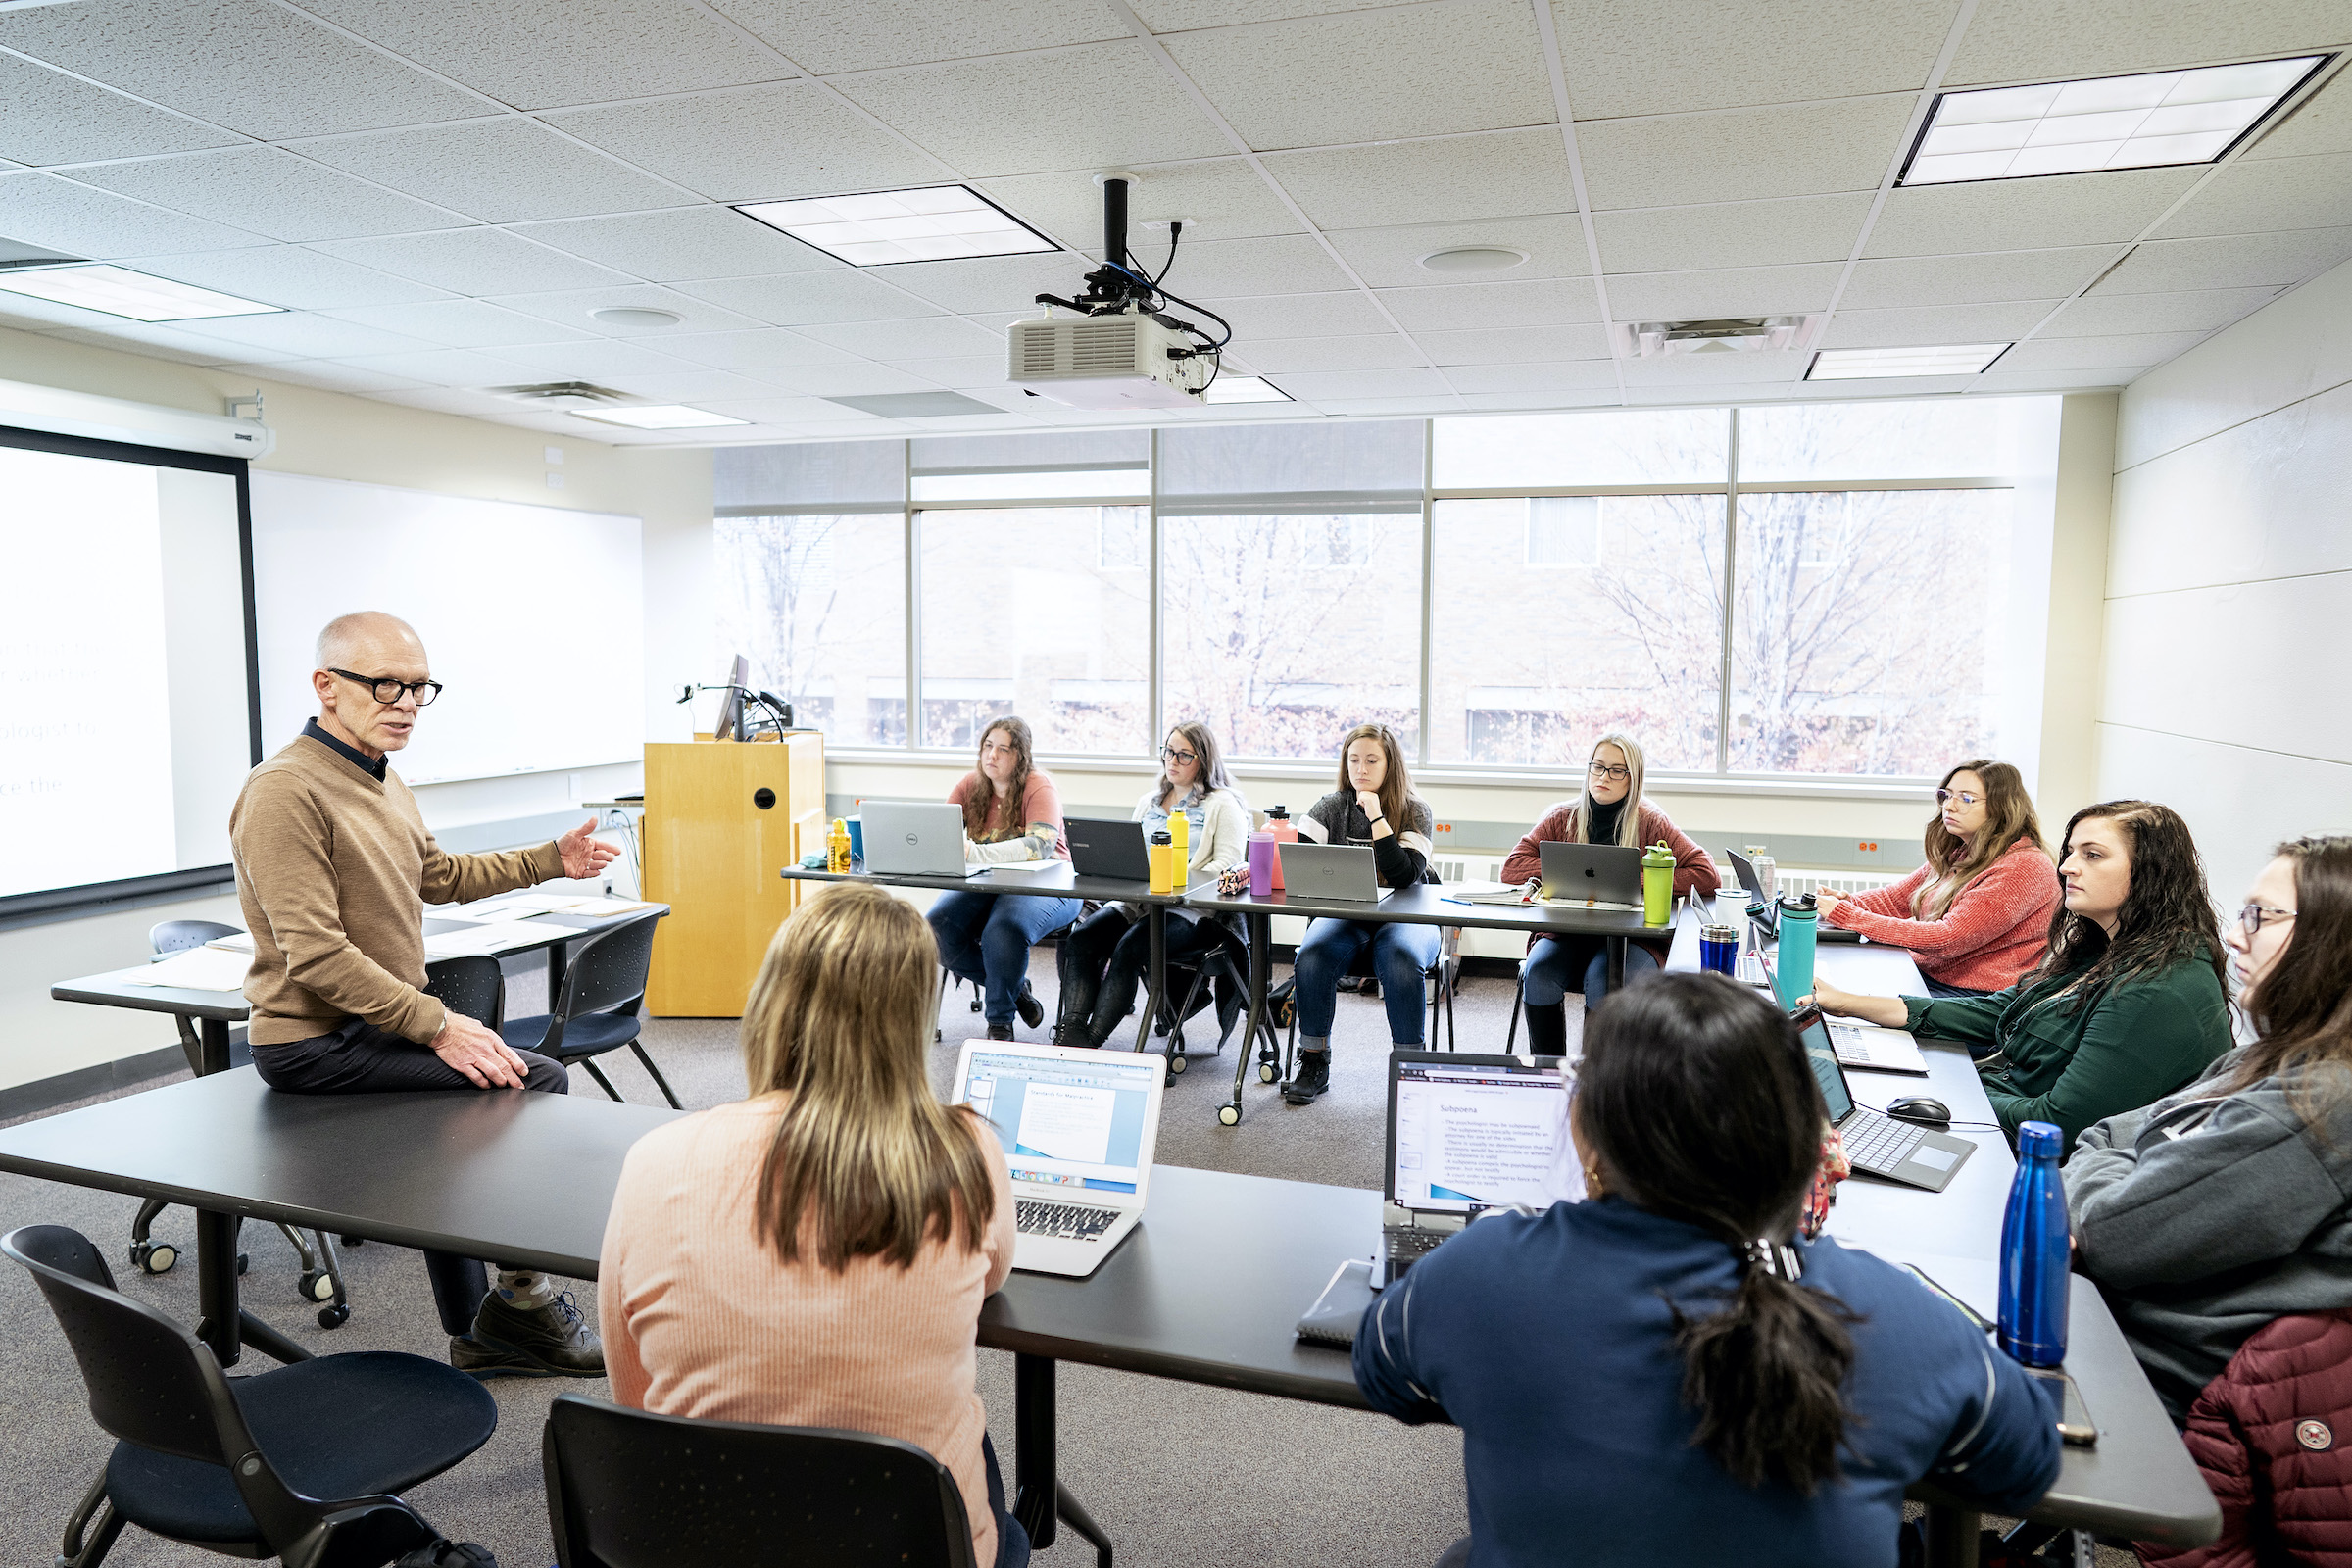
(1119,347)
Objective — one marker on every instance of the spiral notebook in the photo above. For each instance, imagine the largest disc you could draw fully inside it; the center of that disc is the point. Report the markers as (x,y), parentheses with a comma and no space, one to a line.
(1332,1320)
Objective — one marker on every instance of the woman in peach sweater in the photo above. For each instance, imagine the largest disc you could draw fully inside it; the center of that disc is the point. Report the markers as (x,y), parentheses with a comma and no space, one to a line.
(816,1254)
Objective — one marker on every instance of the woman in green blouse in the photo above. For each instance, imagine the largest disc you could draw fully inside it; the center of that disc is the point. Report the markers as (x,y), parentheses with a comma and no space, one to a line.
(2126,1006)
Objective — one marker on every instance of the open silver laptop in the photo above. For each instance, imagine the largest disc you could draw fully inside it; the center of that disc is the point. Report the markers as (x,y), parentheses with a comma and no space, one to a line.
(1466,1134)
(915,840)
(1078,1129)
(1343,874)
(1606,875)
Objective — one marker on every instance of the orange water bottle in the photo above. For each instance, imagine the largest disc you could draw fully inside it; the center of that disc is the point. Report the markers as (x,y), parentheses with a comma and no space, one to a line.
(1278,823)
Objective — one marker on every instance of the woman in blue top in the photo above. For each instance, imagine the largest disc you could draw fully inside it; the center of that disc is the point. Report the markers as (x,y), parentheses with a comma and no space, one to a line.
(1664,1373)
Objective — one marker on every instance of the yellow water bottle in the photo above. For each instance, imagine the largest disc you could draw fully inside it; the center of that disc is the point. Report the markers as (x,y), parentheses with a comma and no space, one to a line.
(837,847)
(1163,864)
(1180,839)
(1658,884)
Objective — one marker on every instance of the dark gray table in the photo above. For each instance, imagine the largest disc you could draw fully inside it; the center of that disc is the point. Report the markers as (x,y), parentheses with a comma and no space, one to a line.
(1424,903)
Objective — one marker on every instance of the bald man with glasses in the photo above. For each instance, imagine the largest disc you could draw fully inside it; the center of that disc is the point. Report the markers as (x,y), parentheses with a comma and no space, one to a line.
(334,867)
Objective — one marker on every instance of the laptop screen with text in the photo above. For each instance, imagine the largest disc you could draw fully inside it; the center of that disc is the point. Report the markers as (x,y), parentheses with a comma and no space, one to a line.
(1475,1137)
(1821,1055)
(1065,1124)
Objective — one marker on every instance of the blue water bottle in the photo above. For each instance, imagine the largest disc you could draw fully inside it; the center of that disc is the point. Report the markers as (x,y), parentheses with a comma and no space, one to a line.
(2036,1251)
(1793,965)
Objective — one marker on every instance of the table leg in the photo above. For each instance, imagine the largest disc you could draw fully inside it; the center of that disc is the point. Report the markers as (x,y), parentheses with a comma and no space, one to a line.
(1156,921)
(220,1324)
(1615,948)
(1036,1475)
(1261,969)
(1952,1536)
(213,1055)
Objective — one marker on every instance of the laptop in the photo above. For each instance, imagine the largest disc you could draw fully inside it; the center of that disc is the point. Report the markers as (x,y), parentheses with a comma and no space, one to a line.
(1607,876)
(915,840)
(1466,1134)
(1078,1127)
(1337,873)
(1916,1156)
(1109,847)
(1746,870)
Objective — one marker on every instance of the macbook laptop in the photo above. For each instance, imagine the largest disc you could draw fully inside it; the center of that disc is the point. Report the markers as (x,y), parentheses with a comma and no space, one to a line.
(1339,873)
(1879,1144)
(1110,846)
(1609,875)
(1078,1127)
(915,840)
(1466,1134)
(1746,870)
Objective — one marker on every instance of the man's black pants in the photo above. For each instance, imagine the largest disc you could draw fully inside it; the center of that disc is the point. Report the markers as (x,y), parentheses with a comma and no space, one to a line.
(360,1059)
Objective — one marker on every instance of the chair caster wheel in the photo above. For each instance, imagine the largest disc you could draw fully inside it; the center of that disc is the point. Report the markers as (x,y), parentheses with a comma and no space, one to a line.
(1267,1072)
(1230,1116)
(333,1317)
(353,1241)
(244,1260)
(153,1258)
(317,1285)
(1176,1065)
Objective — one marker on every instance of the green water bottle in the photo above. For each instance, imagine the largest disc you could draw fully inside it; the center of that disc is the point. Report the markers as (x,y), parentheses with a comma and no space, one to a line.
(1658,884)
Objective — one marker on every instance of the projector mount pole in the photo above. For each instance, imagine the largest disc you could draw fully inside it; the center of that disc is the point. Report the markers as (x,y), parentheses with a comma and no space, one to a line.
(1111,288)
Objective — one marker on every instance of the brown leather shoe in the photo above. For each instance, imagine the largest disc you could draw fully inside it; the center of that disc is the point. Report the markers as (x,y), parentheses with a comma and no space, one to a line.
(528,1342)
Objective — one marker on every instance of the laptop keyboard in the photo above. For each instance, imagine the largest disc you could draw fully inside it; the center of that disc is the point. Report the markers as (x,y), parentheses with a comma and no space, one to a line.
(1878,1143)
(1075,1222)
(1404,1245)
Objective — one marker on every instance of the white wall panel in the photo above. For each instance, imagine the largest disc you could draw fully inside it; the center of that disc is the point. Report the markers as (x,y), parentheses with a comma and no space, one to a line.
(2222,663)
(2288,349)
(2238,802)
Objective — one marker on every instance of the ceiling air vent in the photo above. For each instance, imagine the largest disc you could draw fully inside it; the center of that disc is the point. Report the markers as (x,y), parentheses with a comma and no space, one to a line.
(1743,334)
(562,395)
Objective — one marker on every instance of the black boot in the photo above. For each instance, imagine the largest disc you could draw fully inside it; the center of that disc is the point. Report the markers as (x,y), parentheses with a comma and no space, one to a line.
(1077,1004)
(1031,1010)
(1548,1030)
(1312,1080)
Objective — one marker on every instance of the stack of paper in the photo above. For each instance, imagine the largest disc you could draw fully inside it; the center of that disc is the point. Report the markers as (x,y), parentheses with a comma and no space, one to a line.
(1487,892)
(238,942)
(196,970)
(1012,868)
(1867,1045)
(602,909)
(495,936)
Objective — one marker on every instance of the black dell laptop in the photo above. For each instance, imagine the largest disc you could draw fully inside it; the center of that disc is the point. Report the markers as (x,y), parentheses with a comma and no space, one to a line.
(1109,847)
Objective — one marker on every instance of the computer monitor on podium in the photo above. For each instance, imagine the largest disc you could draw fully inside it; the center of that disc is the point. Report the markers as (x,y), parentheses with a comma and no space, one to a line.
(730,708)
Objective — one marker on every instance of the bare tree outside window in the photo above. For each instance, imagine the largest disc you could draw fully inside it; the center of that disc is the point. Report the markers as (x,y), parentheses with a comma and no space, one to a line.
(817,603)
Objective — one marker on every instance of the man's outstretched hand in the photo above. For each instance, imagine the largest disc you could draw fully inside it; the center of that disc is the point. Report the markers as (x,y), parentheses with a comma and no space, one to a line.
(583,856)
(486,1060)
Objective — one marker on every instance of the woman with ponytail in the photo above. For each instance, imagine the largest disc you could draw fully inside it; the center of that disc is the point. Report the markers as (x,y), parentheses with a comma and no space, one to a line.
(1666,1372)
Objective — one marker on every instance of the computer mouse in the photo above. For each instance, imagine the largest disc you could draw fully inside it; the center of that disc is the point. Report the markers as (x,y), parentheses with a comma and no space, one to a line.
(1922,1110)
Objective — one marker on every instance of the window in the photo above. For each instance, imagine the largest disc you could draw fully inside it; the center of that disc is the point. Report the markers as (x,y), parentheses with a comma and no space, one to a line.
(1338,543)
(1563,530)
(818,605)
(1540,451)
(1123,540)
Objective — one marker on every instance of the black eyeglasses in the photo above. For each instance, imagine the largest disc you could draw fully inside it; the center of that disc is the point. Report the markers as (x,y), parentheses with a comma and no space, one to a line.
(2254,917)
(1611,772)
(1947,797)
(387,691)
(1169,754)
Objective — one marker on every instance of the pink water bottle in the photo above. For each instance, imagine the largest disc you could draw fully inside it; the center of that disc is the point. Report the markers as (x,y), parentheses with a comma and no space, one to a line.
(1261,865)
(1278,823)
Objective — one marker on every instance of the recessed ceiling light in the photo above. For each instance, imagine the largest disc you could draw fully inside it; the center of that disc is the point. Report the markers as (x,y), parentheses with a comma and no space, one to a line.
(1473,258)
(635,316)
(1245,389)
(1949,359)
(658,416)
(876,228)
(119,291)
(2074,127)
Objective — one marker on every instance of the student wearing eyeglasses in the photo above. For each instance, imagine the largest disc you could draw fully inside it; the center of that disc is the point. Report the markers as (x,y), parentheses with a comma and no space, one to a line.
(1103,959)
(1977,915)
(1610,810)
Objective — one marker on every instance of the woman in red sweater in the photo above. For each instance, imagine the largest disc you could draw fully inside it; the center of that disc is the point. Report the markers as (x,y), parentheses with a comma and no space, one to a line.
(1977,916)
(1611,811)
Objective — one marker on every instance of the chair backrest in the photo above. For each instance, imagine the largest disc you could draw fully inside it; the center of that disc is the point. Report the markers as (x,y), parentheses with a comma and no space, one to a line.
(628,1488)
(472,985)
(609,969)
(174,936)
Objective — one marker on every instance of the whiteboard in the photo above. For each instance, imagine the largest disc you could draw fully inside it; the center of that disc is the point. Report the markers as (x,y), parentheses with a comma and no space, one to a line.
(533,618)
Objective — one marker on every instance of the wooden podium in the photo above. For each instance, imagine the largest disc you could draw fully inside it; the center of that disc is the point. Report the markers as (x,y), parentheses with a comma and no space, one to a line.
(722,819)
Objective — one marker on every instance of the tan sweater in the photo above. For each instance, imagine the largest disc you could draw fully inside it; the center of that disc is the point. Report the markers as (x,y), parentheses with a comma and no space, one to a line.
(334,870)
(702,1319)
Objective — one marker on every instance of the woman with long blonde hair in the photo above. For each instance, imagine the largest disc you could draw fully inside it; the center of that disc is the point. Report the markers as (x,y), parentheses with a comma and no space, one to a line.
(816,1254)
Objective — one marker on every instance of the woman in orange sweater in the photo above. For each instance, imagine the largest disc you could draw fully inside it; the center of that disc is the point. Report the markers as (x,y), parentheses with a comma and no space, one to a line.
(1977,916)
(1611,811)
(816,1254)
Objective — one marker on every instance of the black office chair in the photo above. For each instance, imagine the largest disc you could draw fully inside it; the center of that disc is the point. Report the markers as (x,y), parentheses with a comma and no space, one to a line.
(1443,976)
(628,1488)
(604,987)
(1220,975)
(320,1448)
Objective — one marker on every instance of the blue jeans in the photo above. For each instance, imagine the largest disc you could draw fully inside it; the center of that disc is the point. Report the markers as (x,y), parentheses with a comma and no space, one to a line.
(1400,953)
(1554,962)
(1013,1542)
(986,938)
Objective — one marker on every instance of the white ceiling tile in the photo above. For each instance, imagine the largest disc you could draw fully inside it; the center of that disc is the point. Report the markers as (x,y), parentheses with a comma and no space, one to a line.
(823,36)
(1574,375)
(535,53)
(461,323)
(572,307)
(757,351)
(1218,199)
(1503,346)
(1243,268)
(1509,173)
(1281,356)
(1390,258)
(1741,154)
(290,275)
(474,260)
(46,118)
(1390,408)
(451,367)
(1315,387)
(2323,124)
(994,282)
(270,191)
(1650,57)
(1537,401)
(1098,107)
(264,70)
(44,209)
(757,144)
(1529,302)
(1996,215)
(2241,260)
(155,341)
(1975,279)
(699,387)
(937,337)
(1340,313)
(2040,40)
(1182,16)
(1714,369)
(1676,239)
(447,399)
(977,370)
(300,332)
(2280,193)
(1919,327)
(1734,291)
(2090,381)
(795,410)
(2095,315)
(1473,66)
(797,299)
(681,244)
(505,171)
(603,361)
(328,375)
(2097,353)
